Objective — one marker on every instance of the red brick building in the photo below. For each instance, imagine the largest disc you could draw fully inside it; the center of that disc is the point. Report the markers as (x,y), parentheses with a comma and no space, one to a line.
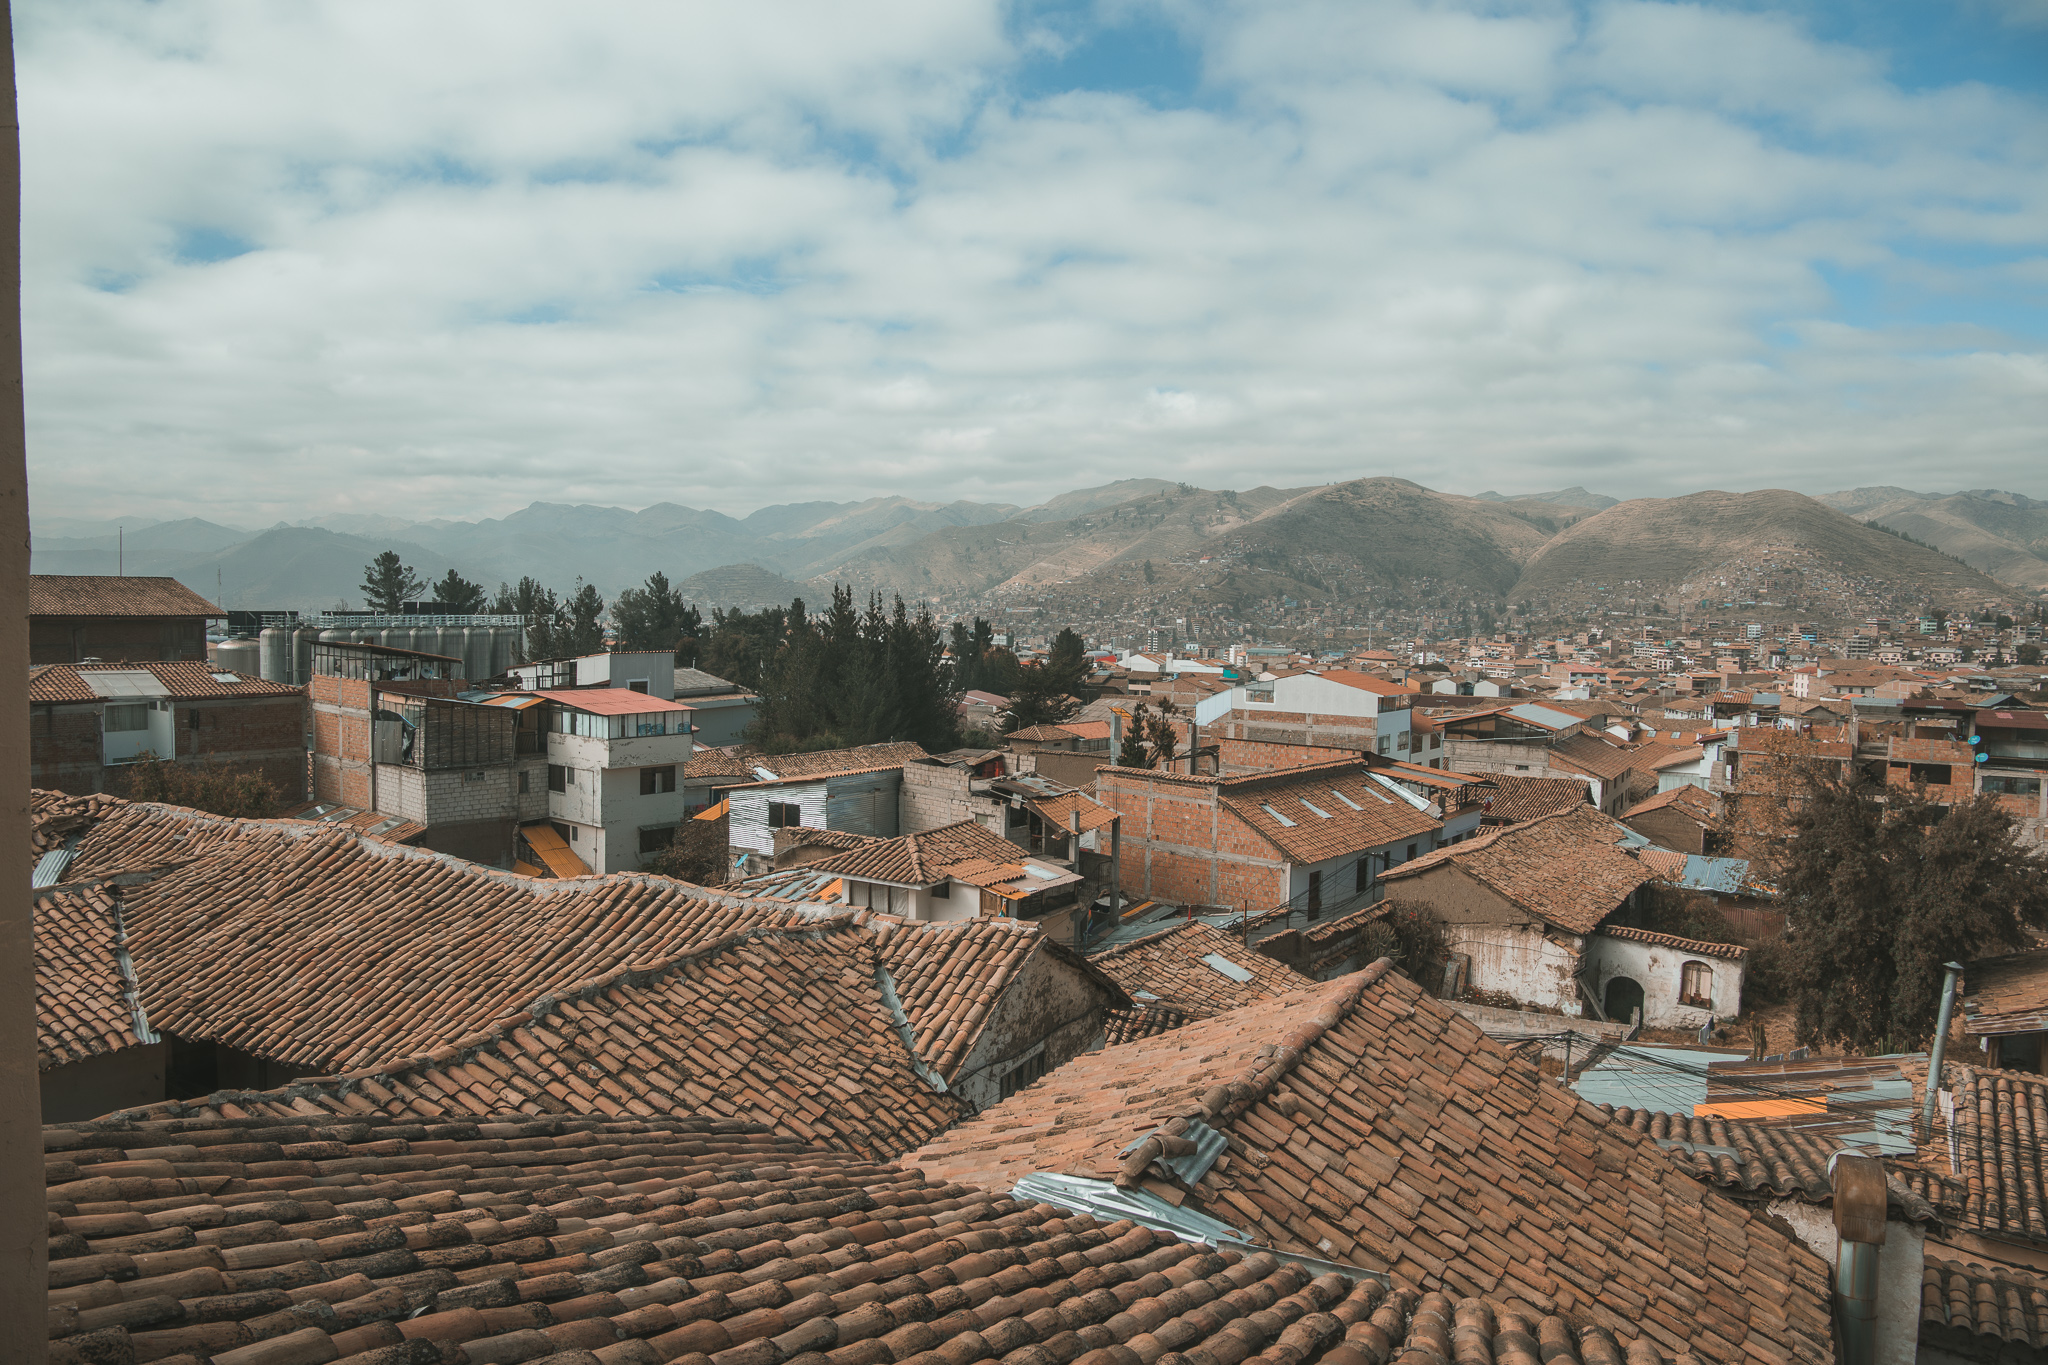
(1316,837)
(76,617)
(88,722)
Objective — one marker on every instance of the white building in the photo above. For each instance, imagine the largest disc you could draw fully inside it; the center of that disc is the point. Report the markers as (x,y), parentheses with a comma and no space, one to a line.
(1339,708)
(614,773)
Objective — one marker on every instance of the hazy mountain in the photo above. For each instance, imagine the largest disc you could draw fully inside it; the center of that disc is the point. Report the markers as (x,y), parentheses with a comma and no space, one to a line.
(1759,545)
(1082,501)
(743,587)
(1574,497)
(1019,554)
(1339,538)
(2004,534)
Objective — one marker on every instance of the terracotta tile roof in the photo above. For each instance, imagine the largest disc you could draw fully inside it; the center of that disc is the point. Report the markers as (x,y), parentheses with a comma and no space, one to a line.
(85,1003)
(949,977)
(2000,1302)
(115,837)
(822,763)
(186,681)
(1771,1161)
(2006,994)
(1056,810)
(2000,1121)
(1609,761)
(1668,864)
(1564,868)
(1371,1125)
(325,950)
(517,1238)
(1365,682)
(1698,803)
(369,823)
(107,595)
(1325,810)
(786,1028)
(1524,798)
(1732,951)
(1143,1021)
(1042,734)
(1168,966)
(921,859)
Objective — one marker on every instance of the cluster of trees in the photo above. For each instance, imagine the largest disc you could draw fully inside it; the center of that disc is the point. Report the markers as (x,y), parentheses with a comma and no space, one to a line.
(1883,886)
(844,677)
(831,679)
(1150,741)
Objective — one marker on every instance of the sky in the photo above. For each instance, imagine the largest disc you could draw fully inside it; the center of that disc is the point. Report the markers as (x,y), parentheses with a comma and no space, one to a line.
(289,260)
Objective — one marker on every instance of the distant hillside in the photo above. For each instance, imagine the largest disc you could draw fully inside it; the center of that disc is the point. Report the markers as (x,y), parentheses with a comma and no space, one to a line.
(1018,555)
(1373,532)
(1082,501)
(1767,545)
(1574,497)
(2004,534)
(742,587)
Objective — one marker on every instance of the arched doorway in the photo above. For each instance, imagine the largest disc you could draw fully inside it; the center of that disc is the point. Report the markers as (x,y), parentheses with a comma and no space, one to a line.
(1624,997)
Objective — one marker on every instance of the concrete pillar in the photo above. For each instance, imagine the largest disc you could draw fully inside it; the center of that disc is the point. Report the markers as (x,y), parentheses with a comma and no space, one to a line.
(24,1273)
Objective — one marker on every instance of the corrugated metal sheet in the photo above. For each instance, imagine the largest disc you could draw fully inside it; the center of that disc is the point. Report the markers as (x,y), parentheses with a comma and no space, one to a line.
(1101,1199)
(50,868)
(863,803)
(1209,1144)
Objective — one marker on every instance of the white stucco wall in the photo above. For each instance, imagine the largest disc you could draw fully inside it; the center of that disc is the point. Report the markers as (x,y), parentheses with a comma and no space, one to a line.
(1521,962)
(1658,970)
(1899,1270)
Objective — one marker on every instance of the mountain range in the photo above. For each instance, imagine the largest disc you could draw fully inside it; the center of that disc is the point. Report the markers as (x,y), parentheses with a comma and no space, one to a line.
(1150,539)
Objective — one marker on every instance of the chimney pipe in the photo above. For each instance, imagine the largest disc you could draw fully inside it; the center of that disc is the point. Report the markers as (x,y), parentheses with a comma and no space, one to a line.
(1860,1203)
(1948,1005)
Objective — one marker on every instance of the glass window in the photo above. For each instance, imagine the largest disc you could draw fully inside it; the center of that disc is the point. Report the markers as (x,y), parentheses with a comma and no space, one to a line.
(1023,1074)
(1696,985)
(121,719)
(558,778)
(654,781)
(525,782)
(656,838)
(784,815)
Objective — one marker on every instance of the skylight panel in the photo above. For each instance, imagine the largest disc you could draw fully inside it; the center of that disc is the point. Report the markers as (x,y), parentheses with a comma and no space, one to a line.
(1276,815)
(1345,799)
(1216,962)
(1314,808)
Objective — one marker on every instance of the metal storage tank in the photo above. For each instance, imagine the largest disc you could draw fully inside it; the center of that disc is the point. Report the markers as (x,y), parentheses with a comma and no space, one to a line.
(427,640)
(476,652)
(505,650)
(241,655)
(303,640)
(276,650)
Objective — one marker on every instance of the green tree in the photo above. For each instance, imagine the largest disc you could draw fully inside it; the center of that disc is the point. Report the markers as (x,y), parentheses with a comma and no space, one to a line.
(538,607)
(1150,576)
(580,621)
(2028,655)
(654,616)
(458,594)
(1883,886)
(1135,751)
(388,583)
(1162,736)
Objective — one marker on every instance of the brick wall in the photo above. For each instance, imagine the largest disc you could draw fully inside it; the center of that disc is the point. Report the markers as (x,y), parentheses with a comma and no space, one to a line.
(933,796)
(1180,846)
(115,639)
(1356,733)
(267,734)
(1240,756)
(64,748)
(341,740)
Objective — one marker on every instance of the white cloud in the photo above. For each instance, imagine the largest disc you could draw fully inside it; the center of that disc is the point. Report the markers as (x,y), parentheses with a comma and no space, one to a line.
(734,255)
